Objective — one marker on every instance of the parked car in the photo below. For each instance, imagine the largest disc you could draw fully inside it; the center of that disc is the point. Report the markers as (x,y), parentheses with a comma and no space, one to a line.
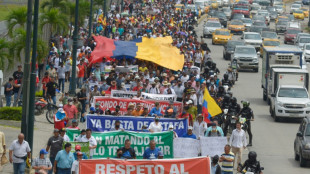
(229,48)
(302,142)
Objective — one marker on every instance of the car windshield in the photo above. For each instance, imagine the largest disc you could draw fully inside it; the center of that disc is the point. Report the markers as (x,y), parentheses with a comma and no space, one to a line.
(259,23)
(220,32)
(304,9)
(307,131)
(256,29)
(293,93)
(213,24)
(282,23)
(233,44)
(221,15)
(293,31)
(269,35)
(252,36)
(245,50)
(298,11)
(200,3)
(273,13)
(304,40)
(259,18)
(255,7)
(262,13)
(307,47)
(236,23)
(279,7)
(246,20)
(295,6)
(226,10)
(271,43)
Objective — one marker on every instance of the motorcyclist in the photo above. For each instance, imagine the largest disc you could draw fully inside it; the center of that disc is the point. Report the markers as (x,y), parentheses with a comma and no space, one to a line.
(214,68)
(226,81)
(226,102)
(246,112)
(234,107)
(235,67)
(251,164)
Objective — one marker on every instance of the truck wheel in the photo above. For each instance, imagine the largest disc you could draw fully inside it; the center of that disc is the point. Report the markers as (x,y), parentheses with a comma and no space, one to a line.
(296,156)
(275,117)
(268,101)
(213,42)
(256,70)
(302,160)
(264,96)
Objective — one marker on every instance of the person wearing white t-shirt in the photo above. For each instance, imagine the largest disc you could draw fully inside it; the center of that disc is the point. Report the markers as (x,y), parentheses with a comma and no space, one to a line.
(184,78)
(92,142)
(156,126)
(75,164)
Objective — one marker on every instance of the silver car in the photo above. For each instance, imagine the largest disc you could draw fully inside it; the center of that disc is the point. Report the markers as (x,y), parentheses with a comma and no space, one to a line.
(209,27)
(252,38)
(247,57)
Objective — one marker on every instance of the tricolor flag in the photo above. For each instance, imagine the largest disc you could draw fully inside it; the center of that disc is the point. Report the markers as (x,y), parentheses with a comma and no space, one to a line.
(209,107)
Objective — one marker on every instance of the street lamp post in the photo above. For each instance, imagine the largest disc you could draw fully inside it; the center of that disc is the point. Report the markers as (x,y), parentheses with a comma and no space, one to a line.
(75,40)
(90,22)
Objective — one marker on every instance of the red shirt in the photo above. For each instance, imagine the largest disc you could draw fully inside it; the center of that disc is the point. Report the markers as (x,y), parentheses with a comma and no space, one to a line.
(70,110)
(136,88)
(45,80)
(190,117)
(81,70)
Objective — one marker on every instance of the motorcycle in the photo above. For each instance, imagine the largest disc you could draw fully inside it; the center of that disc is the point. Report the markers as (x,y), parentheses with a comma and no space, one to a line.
(40,105)
(249,170)
(244,125)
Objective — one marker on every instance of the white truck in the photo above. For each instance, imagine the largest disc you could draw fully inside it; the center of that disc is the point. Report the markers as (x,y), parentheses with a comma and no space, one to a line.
(289,56)
(289,93)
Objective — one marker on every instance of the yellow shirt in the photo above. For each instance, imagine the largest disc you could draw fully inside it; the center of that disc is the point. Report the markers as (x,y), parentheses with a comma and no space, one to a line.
(142,69)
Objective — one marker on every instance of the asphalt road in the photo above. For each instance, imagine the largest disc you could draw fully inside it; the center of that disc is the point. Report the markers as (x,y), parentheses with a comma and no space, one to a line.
(273,141)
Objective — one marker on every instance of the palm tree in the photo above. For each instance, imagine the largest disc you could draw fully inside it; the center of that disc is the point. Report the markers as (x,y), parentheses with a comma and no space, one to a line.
(16,18)
(83,12)
(4,55)
(60,4)
(56,19)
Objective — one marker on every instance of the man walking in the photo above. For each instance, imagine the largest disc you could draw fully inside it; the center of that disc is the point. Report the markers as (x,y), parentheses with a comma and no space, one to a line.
(42,164)
(19,151)
(227,159)
(55,144)
(238,141)
(92,142)
(61,72)
(71,111)
(63,161)
(51,87)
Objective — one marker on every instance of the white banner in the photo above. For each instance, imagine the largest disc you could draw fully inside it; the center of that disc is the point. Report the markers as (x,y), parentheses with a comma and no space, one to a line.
(212,145)
(123,94)
(91,86)
(126,69)
(185,147)
(165,97)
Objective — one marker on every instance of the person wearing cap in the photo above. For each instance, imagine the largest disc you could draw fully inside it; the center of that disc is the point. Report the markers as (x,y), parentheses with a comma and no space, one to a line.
(214,130)
(156,126)
(94,93)
(71,112)
(171,127)
(189,133)
(60,118)
(156,111)
(75,164)
(63,161)
(186,115)
(153,89)
(82,134)
(169,89)
(54,144)
(171,111)
(200,126)
(42,164)
(63,135)
(74,124)
(113,86)
(98,111)
(77,151)
(163,87)
(92,142)
(192,109)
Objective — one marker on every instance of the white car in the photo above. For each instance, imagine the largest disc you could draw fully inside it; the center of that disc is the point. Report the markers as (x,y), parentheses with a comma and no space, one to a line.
(300,35)
(295,7)
(302,41)
(252,38)
(306,53)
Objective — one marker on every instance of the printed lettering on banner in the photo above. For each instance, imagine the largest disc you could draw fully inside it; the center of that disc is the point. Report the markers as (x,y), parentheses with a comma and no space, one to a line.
(123,94)
(131,123)
(173,166)
(165,97)
(84,147)
(212,145)
(185,147)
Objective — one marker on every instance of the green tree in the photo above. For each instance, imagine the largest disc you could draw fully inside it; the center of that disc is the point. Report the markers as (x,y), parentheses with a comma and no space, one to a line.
(57,20)
(60,4)
(16,18)
(4,55)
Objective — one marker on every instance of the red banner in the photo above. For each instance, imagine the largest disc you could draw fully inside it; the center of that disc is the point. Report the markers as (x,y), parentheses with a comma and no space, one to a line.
(111,103)
(165,166)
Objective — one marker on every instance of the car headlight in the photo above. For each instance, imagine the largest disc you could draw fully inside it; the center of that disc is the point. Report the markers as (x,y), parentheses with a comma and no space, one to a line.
(307,146)
(308,104)
(280,104)
(215,38)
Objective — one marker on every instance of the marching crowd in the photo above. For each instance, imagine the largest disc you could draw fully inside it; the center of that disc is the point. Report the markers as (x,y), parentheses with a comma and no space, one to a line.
(144,19)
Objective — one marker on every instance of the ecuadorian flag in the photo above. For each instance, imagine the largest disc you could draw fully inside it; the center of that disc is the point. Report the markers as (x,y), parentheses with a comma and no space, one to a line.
(209,107)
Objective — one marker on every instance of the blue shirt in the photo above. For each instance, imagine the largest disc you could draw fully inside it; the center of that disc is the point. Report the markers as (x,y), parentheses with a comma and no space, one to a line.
(64,159)
(84,156)
(218,129)
(155,111)
(193,136)
(152,154)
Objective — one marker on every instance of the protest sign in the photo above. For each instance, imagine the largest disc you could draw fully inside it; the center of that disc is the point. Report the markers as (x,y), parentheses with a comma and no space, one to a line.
(110,103)
(164,97)
(91,86)
(123,94)
(212,145)
(126,69)
(131,123)
(84,147)
(185,147)
(109,142)
(171,166)
(72,133)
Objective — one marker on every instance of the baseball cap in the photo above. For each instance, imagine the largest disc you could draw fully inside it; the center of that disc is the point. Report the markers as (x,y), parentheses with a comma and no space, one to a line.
(43,151)
(190,128)
(77,147)
(56,130)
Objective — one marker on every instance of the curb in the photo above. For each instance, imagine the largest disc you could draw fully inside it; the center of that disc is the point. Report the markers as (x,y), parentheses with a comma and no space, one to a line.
(10,123)
(202,18)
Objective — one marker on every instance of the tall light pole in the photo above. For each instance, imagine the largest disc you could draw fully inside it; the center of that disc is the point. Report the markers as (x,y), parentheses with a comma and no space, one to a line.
(75,39)
(90,21)
(33,74)
(26,82)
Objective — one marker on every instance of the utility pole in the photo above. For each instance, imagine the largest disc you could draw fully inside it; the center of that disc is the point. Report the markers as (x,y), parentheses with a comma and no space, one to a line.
(90,21)
(33,74)
(75,39)
(25,85)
